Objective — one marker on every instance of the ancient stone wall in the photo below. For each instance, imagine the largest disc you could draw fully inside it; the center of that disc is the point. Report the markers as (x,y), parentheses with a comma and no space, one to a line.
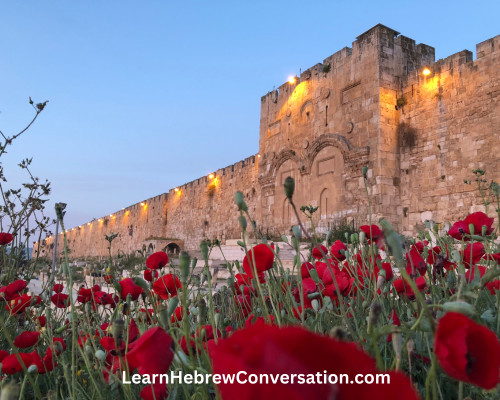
(419,135)
(454,113)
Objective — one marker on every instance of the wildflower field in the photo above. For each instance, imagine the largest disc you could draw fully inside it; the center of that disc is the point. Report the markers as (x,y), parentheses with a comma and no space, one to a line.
(422,311)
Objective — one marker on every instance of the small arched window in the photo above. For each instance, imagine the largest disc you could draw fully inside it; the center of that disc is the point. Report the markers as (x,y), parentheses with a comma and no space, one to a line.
(325,207)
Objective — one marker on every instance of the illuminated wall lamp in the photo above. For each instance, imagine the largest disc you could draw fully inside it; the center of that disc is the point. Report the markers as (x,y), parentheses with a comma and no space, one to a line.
(426,71)
(211,176)
(291,80)
(176,189)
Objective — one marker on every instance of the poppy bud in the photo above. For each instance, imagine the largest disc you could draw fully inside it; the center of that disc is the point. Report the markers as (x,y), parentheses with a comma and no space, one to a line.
(460,307)
(295,243)
(283,313)
(202,308)
(380,279)
(32,369)
(484,229)
(338,333)
(58,347)
(184,261)
(315,305)
(217,318)
(88,349)
(10,391)
(364,304)
(364,170)
(410,345)
(313,295)
(117,329)
(297,232)
(361,236)
(204,249)
(243,222)
(289,187)
(471,229)
(375,311)
(238,199)
(455,256)
(172,305)
(193,310)
(223,289)
(230,282)
(314,275)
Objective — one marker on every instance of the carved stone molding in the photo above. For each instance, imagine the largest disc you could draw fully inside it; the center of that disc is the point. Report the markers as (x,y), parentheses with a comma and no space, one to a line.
(353,156)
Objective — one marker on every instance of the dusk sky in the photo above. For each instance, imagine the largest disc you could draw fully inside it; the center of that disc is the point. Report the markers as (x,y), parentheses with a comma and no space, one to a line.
(148,95)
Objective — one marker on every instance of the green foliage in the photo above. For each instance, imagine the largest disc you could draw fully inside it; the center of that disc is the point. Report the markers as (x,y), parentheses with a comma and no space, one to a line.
(340,231)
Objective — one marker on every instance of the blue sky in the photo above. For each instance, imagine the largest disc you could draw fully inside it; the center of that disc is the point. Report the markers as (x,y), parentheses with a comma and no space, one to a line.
(148,95)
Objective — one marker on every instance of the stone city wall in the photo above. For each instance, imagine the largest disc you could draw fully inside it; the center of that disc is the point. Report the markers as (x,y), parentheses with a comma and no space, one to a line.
(370,104)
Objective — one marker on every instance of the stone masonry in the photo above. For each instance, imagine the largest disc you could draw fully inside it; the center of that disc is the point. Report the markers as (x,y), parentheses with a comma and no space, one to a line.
(419,135)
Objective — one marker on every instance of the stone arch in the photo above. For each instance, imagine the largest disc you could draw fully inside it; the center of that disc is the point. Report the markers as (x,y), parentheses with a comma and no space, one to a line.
(352,155)
(306,110)
(151,248)
(172,249)
(282,157)
(325,197)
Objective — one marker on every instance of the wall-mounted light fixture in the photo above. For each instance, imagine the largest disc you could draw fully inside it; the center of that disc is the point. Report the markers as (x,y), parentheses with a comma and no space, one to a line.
(426,71)
(211,176)
(291,80)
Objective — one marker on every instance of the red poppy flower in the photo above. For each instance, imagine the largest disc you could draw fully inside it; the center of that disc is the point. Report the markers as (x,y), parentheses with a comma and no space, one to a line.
(49,360)
(152,352)
(26,339)
(405,288)
(21,303)
(177,315)
(268,349)
(264,259)
(45,365)
(11,365)
(5,238)
(335,250)
(477,253)
(415,261)
(493,287)
(376,236)
(157,260)
(316,253)
(3,354)
(60,340)
(16,286)
(129,287)
(60,300)
(184,346)
(469,274)
(150,274)
(478,219)
(389,273)
(305,268)
(109,344)
(41,321)
(467,351)
(395,321)
(439,256)
(167,286)
(58,288)
(243,303)
(255,320)
(108,279)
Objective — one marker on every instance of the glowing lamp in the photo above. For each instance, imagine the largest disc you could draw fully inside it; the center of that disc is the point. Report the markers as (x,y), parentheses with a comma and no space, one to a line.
(258,155)
(176,189)
(211,176)
(111,215)
(99,220)
(88,223)
(426,71)
(291,80)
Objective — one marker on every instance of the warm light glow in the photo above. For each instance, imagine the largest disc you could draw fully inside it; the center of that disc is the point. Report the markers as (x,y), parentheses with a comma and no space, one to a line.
(258,155)
(88,223)
(123,209)
(99,220)
(426,71)
(142,204)
(79,226)
(291,79)
(111,215)
(211,176)
(176,189)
